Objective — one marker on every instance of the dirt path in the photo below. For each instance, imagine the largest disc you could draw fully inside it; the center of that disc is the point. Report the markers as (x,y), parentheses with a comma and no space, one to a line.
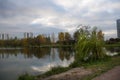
(113,74)
(73,74)
(79,73)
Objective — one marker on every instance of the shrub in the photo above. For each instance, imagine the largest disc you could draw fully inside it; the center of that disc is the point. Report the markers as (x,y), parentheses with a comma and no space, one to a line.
(90,45)
(26,77)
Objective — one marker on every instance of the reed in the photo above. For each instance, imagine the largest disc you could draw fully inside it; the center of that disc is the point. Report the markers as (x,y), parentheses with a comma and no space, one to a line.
(90,45)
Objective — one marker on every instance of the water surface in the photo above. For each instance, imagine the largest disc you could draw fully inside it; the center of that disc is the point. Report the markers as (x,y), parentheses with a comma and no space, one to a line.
(14,62)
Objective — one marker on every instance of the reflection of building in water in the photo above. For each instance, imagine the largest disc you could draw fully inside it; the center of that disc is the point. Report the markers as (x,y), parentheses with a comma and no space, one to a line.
(4,36)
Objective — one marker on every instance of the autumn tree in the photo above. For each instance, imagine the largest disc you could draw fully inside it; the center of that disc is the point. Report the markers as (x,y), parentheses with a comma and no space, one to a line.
(61,36)
(100,35)
(41,39)
(24,42)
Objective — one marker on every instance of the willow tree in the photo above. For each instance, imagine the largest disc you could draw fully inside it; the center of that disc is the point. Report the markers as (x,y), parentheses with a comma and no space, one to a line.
(90,45)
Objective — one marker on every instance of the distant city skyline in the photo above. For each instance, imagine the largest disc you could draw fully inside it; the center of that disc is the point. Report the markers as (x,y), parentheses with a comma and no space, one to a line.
(48,16)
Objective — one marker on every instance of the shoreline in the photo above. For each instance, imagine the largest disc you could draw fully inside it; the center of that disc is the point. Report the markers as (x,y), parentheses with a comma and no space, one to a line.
(85,72)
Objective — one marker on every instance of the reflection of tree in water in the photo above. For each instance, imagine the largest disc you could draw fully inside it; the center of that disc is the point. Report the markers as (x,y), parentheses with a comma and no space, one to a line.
(65,53)
(27,52)
(113,49)
(61,54)
(37,52)
(5,53)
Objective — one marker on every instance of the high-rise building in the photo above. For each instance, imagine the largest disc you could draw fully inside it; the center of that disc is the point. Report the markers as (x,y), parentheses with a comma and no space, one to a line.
(25,36)
(31,35)
(28,35)
(118,28)
(0,36)
(3,37)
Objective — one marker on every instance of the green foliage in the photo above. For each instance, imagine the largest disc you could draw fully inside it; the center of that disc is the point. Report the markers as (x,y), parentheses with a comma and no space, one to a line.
(67,36)
(53,71)
(26,77)
(75,64)
(64,38)
(76,35)
(90,45)
(101,66)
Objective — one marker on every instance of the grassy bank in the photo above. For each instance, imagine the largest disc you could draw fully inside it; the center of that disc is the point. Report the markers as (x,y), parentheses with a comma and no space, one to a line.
(98,67)
(101,67)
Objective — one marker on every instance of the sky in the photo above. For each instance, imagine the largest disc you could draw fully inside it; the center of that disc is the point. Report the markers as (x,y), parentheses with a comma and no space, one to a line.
(48,16)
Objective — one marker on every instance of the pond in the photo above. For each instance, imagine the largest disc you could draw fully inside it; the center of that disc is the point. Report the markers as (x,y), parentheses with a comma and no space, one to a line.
(16,61)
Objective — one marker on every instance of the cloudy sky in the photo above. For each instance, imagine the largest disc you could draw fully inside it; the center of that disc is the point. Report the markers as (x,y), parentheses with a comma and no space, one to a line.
(48,16)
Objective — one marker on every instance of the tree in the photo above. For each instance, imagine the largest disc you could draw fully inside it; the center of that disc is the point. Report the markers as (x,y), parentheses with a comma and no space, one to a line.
(41,39)
(89,46)
(100,35)
(61,36)
(67,36)
(24,42)
(76,35)
(48,41)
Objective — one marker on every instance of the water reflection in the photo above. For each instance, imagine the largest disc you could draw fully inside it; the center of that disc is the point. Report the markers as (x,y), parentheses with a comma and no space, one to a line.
(6,53)
(112,51)
(35,52)
(64,53)
(14,62)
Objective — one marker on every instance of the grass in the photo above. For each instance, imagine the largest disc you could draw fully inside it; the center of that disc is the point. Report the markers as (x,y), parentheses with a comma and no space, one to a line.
(53,71)
(101,67)
(26,77)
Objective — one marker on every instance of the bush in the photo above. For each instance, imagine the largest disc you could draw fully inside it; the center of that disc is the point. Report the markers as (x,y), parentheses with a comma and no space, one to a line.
(26,77)
(90,45)
(75,64)
(56,70)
